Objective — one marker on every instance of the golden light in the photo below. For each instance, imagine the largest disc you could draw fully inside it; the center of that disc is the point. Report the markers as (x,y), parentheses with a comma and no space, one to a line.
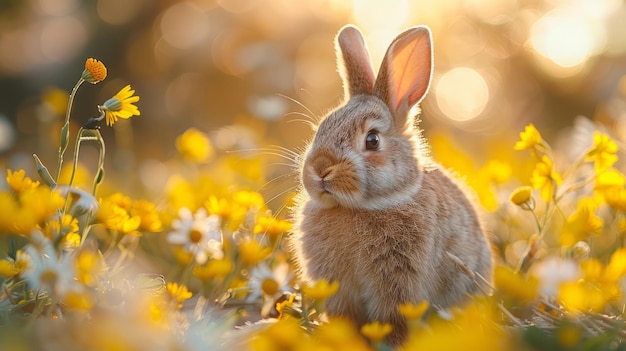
(462,94)
(184,25)
(567,39)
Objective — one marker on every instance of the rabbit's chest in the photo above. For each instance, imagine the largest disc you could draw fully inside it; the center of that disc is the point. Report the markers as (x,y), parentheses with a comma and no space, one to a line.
(361,245)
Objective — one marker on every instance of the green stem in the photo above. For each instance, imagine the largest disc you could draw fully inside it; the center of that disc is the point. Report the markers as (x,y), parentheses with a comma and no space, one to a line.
(66,127)
(100,172)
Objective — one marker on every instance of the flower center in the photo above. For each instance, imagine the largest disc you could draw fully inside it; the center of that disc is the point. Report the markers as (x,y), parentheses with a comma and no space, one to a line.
(48,276)
(195,236)
(269,286)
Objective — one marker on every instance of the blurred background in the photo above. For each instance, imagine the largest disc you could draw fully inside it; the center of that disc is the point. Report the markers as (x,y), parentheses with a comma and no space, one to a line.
(242,71)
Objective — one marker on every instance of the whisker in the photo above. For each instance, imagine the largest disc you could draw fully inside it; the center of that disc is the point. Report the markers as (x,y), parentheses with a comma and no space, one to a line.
(314,117)
(277,151)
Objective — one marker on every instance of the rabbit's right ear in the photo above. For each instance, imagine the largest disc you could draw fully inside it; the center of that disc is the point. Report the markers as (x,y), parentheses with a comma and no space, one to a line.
(354,63)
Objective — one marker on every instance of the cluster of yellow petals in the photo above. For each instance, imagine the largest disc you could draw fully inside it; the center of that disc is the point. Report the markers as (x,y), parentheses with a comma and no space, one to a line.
(320,290)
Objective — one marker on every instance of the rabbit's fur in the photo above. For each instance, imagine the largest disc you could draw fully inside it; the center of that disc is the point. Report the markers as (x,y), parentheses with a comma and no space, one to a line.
(377,215)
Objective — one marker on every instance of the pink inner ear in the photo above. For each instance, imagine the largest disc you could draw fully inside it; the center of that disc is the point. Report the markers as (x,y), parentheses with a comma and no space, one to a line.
(409,74)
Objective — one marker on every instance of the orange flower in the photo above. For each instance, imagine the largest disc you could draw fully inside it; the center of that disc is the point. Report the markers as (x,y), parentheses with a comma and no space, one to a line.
(95,71)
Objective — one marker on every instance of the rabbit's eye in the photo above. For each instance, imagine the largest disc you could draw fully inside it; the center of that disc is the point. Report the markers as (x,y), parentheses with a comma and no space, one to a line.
(372,141)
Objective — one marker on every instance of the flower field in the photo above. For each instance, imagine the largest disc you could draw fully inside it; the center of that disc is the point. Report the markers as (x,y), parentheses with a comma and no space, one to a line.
(206,264)
(150,154)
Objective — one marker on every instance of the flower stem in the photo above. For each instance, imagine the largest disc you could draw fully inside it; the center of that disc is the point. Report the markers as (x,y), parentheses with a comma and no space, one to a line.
(65,131)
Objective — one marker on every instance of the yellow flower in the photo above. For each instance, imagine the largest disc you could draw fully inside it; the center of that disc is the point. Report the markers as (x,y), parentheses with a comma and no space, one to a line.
(522,197)
(82,301)
(67,225)
(121,106)
(94,72)
(581,223)
(89,265)
(271,226)
(529,138)
(545,178)
(213,269)
(339,334)
(252,252)
(194,145)
(376,331)
(412,311)
(616,269)
(178,293)
(513,286)
(18,182)
(581,296)
(8,269)
(603,152)
(285,334)
(56,100)
(497,172)
(249,199)
(616,198)
(149,217)
(320,290)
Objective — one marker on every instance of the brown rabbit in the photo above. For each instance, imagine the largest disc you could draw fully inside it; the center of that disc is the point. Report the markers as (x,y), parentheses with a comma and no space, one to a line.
(376,214)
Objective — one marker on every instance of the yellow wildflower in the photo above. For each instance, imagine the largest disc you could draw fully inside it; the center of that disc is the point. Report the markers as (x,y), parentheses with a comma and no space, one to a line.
(148,215)
(529,138)
(497,172)
(603,152)
(339,334)
(89,265)
(513,286)
(616,198)
(249,199)
(581,223)
(178,293)
(79,300)
(376,331)
(55,99)
(121,106)
(213,269)
(8,269)
(9,207)
(545,178)
(285,334)
(616,269)
(19,182)
(522,197)
(412,311)
(252,252)
(194,145)
(67,225)
(271,226)
(610,179)
(581,296)
(94,72)
(285,303)
(320,290)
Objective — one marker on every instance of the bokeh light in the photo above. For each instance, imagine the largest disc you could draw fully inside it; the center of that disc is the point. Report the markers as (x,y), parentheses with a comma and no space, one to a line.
(565,38)
(184,25)
(462,94)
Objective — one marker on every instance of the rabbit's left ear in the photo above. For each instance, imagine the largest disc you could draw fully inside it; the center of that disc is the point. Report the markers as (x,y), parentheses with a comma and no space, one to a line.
(405,72)
(354,63)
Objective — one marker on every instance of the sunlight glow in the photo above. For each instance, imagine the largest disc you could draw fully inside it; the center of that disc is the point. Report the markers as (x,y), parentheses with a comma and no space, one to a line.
(565,39)
(462,94)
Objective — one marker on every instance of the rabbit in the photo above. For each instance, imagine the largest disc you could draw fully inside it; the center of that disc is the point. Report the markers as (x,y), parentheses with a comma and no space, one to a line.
(374,212)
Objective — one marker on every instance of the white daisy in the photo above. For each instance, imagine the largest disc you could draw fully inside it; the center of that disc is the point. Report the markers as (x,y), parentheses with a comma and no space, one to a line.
(554,271)
(46,271)
(268,284)
(198,233)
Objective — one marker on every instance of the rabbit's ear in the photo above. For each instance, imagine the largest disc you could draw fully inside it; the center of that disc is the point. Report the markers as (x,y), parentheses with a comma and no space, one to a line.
(405,72)
(354,64)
